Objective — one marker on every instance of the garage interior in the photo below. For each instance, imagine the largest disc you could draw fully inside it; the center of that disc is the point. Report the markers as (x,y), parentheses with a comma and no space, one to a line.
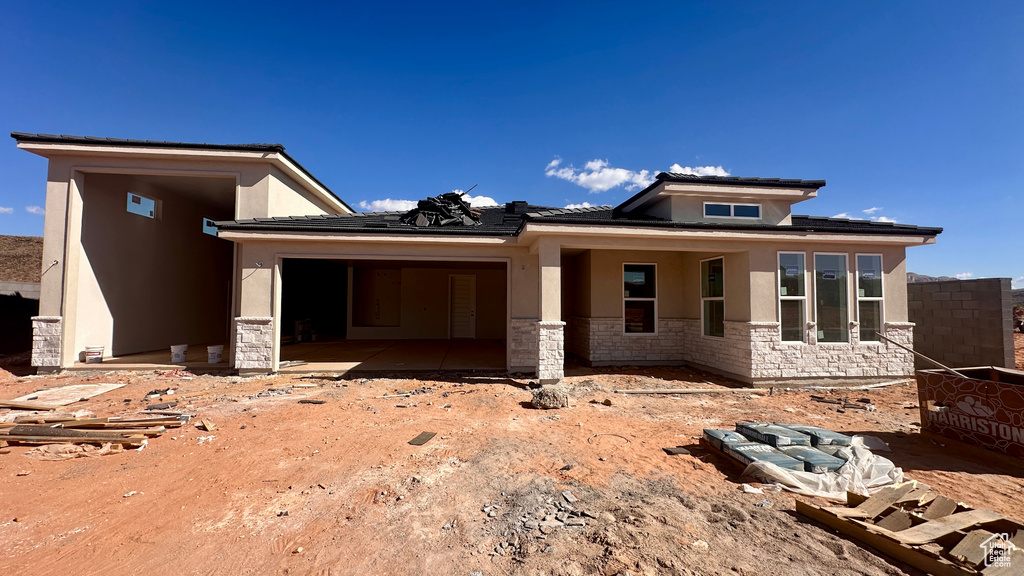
(345,315)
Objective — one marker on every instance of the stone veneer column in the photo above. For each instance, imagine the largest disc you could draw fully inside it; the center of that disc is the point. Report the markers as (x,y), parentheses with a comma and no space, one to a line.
(46,341)
(254,344)
(551,346)
(523,348)
(899,360)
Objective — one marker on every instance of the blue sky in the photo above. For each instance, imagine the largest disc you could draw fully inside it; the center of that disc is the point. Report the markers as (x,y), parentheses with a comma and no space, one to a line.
(911,111)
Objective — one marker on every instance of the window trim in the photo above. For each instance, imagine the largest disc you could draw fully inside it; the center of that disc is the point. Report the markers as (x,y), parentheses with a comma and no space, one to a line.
(700,291)
(849,340)
(879,299)
(732,210)
(780,297)
(655,299)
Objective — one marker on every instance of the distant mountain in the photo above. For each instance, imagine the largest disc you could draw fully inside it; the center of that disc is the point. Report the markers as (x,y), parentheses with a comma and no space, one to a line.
(1017,296)
(912,278)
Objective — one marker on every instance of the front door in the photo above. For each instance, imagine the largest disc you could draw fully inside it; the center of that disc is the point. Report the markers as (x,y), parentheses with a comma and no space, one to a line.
(462,303)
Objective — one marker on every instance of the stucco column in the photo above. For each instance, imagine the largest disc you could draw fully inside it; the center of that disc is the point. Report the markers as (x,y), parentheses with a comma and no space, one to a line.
(550,329)
(255,334)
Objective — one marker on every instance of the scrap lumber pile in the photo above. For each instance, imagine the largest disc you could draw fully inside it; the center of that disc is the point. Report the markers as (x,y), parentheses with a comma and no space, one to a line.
(444,210)
(913,524)
(70,429)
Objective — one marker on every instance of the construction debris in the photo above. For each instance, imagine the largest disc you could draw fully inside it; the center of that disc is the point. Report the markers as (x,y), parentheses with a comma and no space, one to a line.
(444,210)
(129,433)
(422,438)
(915,525)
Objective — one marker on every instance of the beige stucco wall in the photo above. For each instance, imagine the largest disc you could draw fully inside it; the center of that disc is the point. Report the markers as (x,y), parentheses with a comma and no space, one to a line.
(288,198)
(420,306)
(144,284)
(691,209)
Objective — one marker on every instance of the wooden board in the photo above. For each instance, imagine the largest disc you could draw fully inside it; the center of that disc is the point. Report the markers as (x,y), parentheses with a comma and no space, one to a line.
(887,546)
(1013,568)
(940,527)
(939,508)
(422,439)
(64,395)
(898,520)
(884,498)
(18,405)
(76,440)
(969,550)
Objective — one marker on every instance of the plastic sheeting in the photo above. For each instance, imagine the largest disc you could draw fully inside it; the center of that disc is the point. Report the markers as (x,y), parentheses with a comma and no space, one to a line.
(863,473)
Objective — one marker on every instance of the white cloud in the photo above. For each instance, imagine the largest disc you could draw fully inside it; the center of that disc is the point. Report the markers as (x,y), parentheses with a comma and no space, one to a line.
(842,215)
(883,219)
(699,170)
(598,176)
(387,205)
(580,205)
(1017,283)
(35,210)
(5,210)
(477,201)
(872,210)
(964,275)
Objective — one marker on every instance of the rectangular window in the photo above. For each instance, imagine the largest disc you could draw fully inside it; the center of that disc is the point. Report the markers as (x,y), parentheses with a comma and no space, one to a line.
(831,298)
(869,296)
(792,296)
(712,294)
(209,227)
(141,205)
(639,306)
(720,210)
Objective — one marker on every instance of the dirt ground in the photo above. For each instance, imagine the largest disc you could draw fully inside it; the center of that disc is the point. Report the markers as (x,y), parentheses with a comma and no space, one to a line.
(281,487)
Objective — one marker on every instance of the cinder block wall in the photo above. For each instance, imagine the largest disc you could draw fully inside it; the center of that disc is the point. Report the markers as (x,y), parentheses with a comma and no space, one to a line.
(962,322)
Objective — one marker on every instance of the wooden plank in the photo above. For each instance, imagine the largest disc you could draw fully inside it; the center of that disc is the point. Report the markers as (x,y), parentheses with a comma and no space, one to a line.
(697,391)
(884,498)
(77,440)
(916,495)
(940,527)
(422,438)
(939,508)
(969,550)
(29,430)
(17,405)
(1011,568)
(852,529)
(898,520)
(64,395)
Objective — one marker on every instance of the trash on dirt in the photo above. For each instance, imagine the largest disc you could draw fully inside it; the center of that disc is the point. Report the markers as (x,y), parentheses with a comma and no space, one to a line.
(206,425)
(873,443)
(676,451)
(177,373)
(422,438)
(161,406)
(64,395)
(748,489)
(68,451)
(824,400)
(159,392)
(311,401)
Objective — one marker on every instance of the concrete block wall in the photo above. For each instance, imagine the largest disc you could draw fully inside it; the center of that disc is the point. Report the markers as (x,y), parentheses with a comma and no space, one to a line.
(963,322)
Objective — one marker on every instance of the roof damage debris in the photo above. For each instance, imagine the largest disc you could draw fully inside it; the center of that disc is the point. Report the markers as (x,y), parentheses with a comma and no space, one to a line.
(444,210)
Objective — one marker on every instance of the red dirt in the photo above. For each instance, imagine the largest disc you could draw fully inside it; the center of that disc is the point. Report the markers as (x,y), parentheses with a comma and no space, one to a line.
(360,500)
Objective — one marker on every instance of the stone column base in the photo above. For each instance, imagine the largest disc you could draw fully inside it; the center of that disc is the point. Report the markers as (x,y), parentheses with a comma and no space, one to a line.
(551,347)
(254,345)
(46,342)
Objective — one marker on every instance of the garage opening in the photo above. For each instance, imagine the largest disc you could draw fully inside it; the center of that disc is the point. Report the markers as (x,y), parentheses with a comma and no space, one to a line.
(151,275)
(393,315)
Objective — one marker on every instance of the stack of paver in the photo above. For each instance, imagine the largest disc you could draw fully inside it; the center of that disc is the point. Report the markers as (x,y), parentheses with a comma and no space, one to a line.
(789,446)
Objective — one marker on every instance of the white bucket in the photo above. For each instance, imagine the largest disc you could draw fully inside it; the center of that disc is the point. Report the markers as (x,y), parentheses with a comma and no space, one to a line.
(93,354)
(178,353)
(215,353)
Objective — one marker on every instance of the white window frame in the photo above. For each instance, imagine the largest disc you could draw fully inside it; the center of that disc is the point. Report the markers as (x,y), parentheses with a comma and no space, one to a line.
(622,280)
(849,299)
(700,291)
(732,210)
(879,299)
(778,292)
